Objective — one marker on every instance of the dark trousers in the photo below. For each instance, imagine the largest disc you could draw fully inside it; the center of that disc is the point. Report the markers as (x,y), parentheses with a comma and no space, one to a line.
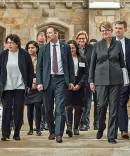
(30,110)
(57,90)
(123,115)
(13,98)
(108,95)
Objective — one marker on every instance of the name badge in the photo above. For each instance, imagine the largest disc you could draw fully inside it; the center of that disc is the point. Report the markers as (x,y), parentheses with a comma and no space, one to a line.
(81,64)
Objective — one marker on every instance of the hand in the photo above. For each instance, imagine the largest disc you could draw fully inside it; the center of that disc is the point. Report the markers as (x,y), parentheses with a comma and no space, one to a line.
(34,86)
(71,86)
(76,88)
(124,85)
(92,87)
(40,87)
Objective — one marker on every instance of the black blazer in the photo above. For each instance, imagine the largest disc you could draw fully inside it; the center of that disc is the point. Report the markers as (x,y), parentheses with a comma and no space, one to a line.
(25,66)
(127,53)
(106,63)
(82,73)
(43,70)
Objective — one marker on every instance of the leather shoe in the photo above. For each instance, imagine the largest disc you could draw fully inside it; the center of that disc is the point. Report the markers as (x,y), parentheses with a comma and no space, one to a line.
(99,134)
(59,139)
(69,132)
(39,132)
(124,135)
(51,137)
(112,141)
(17,138)
(30,132)
(4,138)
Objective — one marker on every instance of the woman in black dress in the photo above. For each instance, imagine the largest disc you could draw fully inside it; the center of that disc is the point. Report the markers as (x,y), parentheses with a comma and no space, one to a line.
(34,98)
(75,98)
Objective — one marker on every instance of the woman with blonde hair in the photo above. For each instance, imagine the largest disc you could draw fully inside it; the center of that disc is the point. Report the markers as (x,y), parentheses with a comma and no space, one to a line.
(107,75)
(86,50)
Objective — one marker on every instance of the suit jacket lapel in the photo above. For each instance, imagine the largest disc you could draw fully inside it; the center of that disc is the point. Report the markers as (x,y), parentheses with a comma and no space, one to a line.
(48,53)
(6,57)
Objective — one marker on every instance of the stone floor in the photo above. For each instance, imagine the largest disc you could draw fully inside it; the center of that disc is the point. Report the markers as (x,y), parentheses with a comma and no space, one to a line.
(84,145)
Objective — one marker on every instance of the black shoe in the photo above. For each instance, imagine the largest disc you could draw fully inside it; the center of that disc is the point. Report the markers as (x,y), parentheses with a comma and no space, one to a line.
(39,133)
(99,134)
(5,138)
(30,132)
(69,132)
(112,141)
(51,137)
(76,132)
(124,135)
(59,139)
(17,138)
(83,128)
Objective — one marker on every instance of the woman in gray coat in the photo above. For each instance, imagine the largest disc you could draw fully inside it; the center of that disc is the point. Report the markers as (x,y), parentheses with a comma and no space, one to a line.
(106,76)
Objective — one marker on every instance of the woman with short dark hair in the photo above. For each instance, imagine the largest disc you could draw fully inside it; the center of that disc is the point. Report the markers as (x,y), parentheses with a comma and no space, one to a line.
(34,97)
(16,76)
(75,98)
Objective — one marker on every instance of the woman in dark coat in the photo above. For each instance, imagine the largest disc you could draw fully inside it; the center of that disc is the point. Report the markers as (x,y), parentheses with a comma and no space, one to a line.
(86,50)
(16,76)
(75,98)
(107,75)
(34,97)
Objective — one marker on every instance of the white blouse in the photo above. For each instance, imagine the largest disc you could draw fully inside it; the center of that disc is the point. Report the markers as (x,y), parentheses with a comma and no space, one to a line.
(75,59)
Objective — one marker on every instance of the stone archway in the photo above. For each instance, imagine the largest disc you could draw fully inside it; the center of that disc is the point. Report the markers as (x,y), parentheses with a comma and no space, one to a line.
(66,32)
(4,30)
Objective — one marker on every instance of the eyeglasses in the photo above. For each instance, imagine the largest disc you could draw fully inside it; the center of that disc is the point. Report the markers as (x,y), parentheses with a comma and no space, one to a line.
(104,31)
(10,42)
(81,38)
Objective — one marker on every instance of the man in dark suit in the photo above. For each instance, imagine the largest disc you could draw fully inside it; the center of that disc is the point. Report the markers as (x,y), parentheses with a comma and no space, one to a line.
(55,72)
(120,29)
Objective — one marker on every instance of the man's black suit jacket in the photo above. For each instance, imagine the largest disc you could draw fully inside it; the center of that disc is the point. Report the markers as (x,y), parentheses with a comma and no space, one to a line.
(127,53)
(43,70)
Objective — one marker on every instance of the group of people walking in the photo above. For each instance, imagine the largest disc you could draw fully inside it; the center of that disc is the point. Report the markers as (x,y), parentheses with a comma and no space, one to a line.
(67,75)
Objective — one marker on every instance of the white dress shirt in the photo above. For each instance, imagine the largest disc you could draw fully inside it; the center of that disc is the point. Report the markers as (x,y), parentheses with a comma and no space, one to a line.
(59,61)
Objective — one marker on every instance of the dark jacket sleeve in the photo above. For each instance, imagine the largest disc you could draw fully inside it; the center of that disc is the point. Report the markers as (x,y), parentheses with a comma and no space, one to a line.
(84,78)
(39,67)
(70,66)
(92,65)
(30,71)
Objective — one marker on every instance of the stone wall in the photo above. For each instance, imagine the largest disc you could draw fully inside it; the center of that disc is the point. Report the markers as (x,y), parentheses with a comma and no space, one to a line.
(24,20)
(96,17)
(27,17)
